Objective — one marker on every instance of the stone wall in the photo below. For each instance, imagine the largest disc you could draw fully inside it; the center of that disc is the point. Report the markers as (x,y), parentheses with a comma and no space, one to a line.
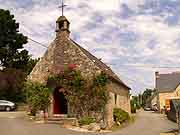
(122,94)
(109,111)
(122,101)
(74,55)
(43,68)
(61,53)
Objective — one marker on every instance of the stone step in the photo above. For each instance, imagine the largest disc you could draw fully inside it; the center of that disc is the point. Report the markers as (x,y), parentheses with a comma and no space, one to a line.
(54,122)
(60,115)
(62,121)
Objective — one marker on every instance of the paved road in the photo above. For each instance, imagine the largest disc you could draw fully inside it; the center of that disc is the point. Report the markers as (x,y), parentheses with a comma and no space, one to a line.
(147,123)
(14,123)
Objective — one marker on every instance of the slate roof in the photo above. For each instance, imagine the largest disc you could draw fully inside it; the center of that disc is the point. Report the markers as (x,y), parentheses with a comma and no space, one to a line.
(167,82)
(101,65)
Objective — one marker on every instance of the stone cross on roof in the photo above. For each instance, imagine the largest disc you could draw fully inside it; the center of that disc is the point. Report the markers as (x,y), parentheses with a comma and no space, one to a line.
(62,7)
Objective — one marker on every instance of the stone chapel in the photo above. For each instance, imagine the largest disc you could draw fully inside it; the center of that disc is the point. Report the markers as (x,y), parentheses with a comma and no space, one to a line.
(63,51)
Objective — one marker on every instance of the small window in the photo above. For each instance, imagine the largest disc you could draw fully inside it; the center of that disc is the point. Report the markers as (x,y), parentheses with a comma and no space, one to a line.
(115,98)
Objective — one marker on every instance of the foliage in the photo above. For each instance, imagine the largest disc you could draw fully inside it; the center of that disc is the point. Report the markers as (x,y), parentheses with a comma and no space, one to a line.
(120,115)
(117,126)
(136,101)
(146,95)
(30,65)
(99,92)
(11,83)
(133,106)
(38,96)
(86,120)
(138,106)
(83,95)
(15,62)
(11,41)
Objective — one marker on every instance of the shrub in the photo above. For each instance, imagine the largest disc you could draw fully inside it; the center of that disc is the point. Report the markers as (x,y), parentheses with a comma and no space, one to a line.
(86,120)
(138,106)
(38,96)
(11,84)
(133,106)
(120,115)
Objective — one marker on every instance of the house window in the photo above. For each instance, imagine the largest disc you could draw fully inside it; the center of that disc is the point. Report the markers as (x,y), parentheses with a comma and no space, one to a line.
(115,98)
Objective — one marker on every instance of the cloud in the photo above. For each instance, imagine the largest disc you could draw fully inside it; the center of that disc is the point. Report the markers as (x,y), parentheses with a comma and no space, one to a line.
(121,32)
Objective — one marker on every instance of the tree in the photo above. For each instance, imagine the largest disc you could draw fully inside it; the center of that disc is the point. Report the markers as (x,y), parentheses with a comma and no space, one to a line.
(11,83)
(31,64)
(146,95)
(11,42)
(133,106)
(16,62)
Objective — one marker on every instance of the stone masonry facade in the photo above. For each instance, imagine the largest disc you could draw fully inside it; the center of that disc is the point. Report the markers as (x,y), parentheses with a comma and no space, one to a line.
(64,51)
(122,101)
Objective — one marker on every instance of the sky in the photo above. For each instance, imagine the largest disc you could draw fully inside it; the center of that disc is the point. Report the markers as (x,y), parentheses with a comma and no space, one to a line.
(133,37)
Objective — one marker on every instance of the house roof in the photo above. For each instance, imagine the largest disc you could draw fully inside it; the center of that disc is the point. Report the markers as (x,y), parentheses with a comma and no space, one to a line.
(167,82)
(101,65)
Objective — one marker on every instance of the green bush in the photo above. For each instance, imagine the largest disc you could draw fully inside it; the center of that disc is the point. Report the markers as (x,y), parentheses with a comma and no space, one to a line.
(37,96)
(138,106)
(120,115)
(86,120)
(133,106)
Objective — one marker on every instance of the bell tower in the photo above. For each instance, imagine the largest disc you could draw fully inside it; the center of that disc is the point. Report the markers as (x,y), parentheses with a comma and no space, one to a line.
(62,26)
(62,23)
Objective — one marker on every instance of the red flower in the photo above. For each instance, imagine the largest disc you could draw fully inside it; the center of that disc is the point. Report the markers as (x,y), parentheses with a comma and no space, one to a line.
(71,66)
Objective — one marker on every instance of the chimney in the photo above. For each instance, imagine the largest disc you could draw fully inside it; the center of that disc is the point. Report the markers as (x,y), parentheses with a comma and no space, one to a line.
(156,78)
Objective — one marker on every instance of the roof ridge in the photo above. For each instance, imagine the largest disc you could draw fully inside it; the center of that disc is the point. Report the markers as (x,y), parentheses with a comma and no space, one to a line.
(101,65)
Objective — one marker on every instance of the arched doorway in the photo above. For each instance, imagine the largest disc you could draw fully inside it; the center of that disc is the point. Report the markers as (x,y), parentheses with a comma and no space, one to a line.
(60,102)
